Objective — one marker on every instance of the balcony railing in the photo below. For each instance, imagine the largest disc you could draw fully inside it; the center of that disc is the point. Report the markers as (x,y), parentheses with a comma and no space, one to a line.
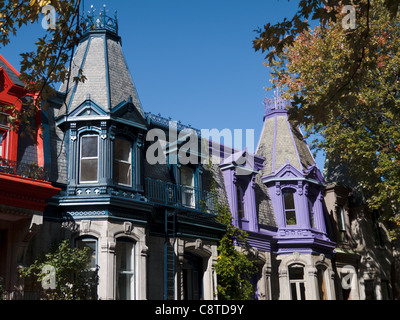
(170,194)
(26,170)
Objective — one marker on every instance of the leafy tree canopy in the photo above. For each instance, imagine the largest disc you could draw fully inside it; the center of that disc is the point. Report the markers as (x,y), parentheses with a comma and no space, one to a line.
(71,272)
(344,84)
(48,64)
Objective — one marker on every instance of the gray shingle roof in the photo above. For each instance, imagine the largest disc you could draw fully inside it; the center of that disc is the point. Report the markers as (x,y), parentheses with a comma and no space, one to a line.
(108,80)
(281,142)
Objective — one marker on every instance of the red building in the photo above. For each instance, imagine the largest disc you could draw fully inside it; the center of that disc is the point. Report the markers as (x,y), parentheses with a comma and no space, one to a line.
(23,183)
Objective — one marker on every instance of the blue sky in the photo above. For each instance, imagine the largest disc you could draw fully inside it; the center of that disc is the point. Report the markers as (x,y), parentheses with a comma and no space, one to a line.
(191,60)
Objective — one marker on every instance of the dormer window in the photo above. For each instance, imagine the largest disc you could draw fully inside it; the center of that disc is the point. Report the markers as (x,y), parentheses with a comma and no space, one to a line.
(123,162)
(187,182)
(289,207)
(89,159)
(240,202)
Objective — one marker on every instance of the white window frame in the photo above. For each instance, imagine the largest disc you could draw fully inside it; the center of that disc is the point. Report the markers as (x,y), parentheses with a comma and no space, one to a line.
(297,283)
(293,192)
(188,191)
(89,158)
(122,161)
(127,272)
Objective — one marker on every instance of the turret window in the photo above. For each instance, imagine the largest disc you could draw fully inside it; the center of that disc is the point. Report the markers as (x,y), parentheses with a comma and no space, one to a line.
(123,162)
(289,207)
(89,160)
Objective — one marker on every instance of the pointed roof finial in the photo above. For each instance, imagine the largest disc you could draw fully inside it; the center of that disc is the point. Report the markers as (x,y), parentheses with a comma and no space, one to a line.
(277,103)
(100,21)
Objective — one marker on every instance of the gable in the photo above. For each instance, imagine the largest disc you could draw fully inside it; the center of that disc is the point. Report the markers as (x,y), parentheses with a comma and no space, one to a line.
(87,109)
(127,113)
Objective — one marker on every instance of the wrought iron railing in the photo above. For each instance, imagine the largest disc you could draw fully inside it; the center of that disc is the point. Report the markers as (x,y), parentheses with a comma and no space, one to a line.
(182,196)
(93,21)
(27,170)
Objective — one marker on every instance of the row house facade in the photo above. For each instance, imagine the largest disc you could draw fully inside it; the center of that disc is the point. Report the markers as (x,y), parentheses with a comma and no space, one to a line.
(24,185)
(117,185)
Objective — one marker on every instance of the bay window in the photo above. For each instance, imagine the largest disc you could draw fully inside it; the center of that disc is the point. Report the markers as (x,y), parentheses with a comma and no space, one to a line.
(89,158)
(289,206)
(123,162)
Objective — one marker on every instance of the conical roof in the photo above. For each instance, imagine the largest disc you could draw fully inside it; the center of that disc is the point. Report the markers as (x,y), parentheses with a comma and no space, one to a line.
(100,58)
(281,142)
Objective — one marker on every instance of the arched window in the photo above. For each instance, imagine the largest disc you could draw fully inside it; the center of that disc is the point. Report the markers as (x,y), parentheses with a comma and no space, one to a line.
(89,158)
(125,269)
(289,206)
(123,162)
(192,271)
(297,282)
(91,245)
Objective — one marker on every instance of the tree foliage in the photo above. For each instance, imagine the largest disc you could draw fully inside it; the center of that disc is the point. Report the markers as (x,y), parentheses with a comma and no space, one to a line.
(49,63)
(344,84)
(72,273)
(234,268)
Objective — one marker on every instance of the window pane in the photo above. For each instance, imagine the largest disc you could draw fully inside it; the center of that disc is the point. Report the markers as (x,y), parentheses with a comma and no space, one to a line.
(289,200)
(290,218)
(240,204)
(89,170)
(122,150)
(91,244)
(369,290)
(4,119)
(302,291)
(187,176)
(124,252)
(296,273)
(125,286)
(311,213)
(89,147)
(125,268)
(122,173)
(294,291)
(341,219)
